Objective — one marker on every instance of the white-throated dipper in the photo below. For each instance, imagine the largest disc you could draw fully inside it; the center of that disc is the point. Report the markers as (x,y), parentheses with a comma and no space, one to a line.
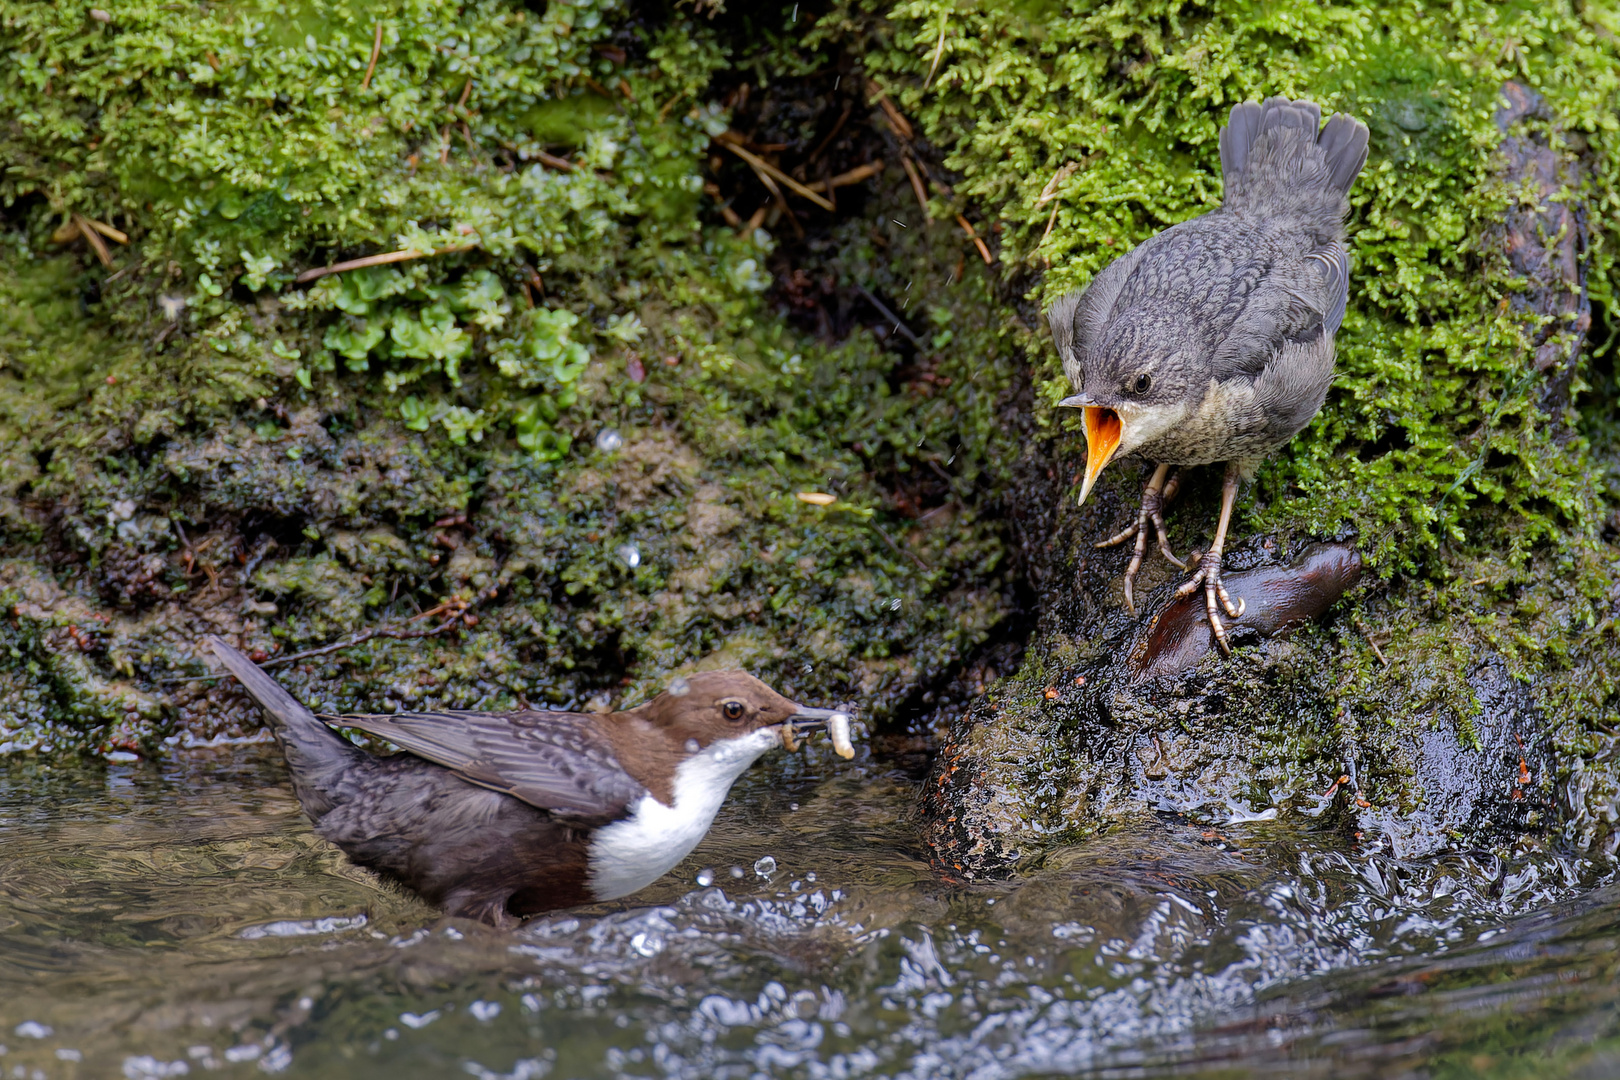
(501,816)
(1213,340)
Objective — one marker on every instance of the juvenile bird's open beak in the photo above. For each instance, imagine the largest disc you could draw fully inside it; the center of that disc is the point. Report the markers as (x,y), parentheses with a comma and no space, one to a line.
(1102,438)
(807,720)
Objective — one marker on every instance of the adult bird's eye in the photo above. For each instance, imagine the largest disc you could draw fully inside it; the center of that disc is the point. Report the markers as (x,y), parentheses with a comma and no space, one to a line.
(1143,382)
(733,709)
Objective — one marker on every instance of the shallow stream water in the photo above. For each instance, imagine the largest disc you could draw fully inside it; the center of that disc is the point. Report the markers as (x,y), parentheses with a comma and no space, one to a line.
(176,918)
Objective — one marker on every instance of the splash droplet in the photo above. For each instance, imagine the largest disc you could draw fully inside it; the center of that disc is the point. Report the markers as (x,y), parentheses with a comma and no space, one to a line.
(765,867)
(632,555)
(647,944)
(894,605)
(705,877)
(737,872)
(485,1010)
(608,440)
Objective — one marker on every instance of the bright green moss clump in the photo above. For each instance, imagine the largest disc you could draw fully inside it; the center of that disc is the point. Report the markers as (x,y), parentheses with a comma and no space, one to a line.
(568,430)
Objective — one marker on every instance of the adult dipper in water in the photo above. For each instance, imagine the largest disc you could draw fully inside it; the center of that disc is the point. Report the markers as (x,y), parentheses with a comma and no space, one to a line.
(1213,340)
(500,816)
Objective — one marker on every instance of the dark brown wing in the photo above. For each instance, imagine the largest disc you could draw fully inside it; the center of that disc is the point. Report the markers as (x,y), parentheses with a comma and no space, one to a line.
(554,761)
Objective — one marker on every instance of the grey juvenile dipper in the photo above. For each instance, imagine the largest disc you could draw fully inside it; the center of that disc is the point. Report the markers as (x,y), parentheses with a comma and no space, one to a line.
(499,816)
(1213,341)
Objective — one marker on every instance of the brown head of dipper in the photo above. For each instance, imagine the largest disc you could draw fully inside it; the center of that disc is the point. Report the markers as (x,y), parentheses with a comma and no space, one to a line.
(1213,340)
(500,816)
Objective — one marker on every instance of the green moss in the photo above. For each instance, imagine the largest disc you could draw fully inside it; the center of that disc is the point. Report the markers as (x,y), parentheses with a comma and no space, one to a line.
(302,463)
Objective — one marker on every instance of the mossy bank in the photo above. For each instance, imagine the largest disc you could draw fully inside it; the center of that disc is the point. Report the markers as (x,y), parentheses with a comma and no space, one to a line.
(561,439)
(553,451)
(1462,691)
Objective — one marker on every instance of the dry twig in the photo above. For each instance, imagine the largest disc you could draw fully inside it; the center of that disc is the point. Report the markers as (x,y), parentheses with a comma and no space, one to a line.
(939,52)
(760,165)
(316,272)
(917,186)
(845,179)
(376,51)
(1366,633)
(967,227)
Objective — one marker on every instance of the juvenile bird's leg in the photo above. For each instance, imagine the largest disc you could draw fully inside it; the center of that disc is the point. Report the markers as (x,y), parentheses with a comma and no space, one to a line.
(1209,566)
(1154,497)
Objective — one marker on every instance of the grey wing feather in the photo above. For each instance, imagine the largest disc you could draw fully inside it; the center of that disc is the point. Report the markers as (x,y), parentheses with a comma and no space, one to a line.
(552,761)
(1335,263)
(1293,386)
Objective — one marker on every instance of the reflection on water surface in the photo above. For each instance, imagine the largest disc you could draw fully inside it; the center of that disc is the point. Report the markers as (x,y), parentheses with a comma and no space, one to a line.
(177,919)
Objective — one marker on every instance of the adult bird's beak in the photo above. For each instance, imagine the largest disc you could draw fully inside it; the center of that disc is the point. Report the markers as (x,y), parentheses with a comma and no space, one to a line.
(1102,438)
(807,720)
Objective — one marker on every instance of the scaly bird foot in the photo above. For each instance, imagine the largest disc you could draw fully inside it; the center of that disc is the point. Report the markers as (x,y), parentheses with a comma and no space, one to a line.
(1151,513)
(1209,575)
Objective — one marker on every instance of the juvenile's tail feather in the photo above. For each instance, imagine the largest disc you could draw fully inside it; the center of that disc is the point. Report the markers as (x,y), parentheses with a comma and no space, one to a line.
(318,757)
(1344,145)
(1277,157)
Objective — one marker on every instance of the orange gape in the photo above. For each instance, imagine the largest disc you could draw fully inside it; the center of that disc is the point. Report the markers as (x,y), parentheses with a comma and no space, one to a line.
(1102,439)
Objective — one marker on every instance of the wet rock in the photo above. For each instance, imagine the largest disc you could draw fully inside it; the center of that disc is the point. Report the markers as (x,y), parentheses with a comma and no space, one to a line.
(1275,599)
(1544,237)
(1113,719)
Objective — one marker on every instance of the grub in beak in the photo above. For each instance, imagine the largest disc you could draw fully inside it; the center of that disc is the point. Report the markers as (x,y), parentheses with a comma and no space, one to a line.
(806,720)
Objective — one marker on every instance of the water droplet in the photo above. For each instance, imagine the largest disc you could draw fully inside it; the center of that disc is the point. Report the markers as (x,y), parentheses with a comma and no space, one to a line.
(485,1010)
(678,687)
(32,1029)
(894,605)
(811,876)
(609,440)
(705,877)
(765,867)
(737,872)
(647,944)
(809,668)
(632,556)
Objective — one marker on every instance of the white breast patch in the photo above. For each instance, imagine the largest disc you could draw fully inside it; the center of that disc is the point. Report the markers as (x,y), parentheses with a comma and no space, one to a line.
(631,854)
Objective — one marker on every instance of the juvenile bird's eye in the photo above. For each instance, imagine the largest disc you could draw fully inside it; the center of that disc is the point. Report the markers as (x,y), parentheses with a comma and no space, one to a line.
(733,709)
(1143,383)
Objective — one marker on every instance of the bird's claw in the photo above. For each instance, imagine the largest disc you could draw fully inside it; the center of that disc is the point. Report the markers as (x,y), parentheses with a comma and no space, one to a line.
(1151,514)
(1215,597)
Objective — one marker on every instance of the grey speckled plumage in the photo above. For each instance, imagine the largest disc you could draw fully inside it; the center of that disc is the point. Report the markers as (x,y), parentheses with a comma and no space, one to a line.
(1213,340)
